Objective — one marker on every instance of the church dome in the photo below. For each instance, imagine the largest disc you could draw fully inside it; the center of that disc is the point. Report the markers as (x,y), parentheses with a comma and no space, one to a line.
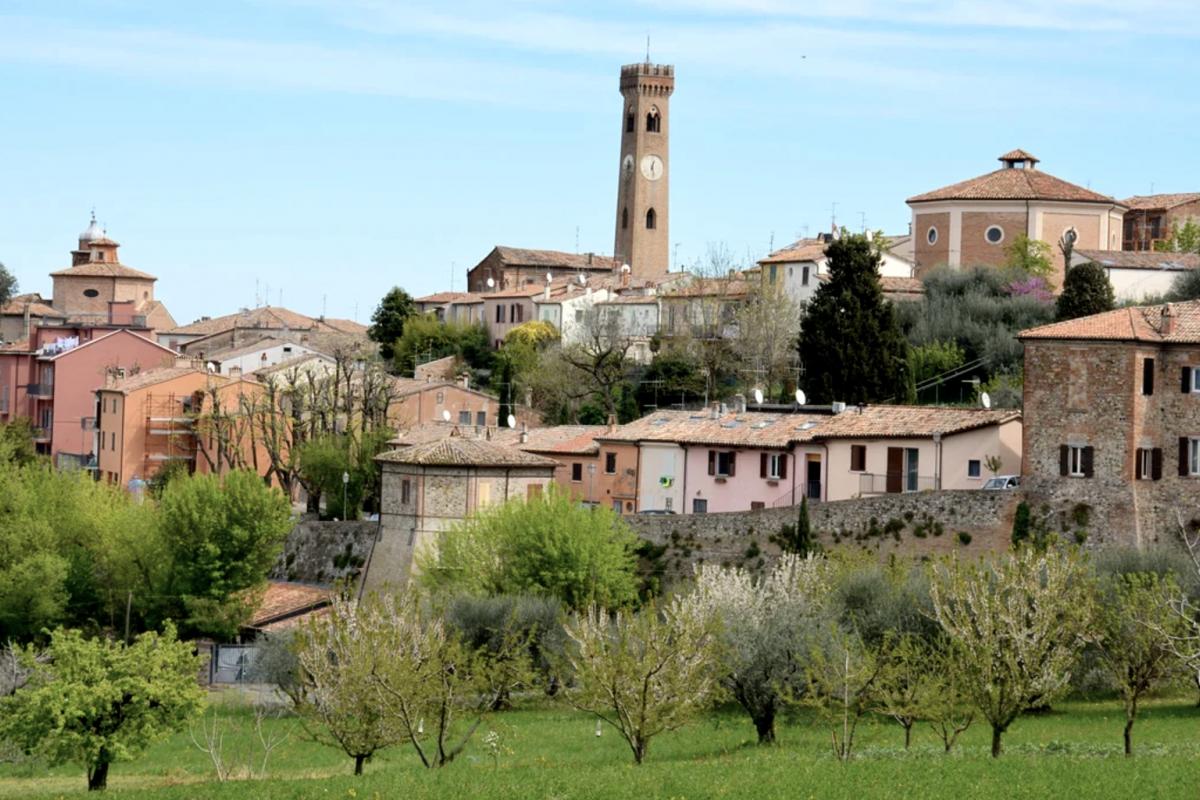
(93,233)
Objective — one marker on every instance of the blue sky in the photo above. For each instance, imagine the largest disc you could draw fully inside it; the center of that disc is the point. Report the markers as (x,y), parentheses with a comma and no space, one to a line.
(334,148)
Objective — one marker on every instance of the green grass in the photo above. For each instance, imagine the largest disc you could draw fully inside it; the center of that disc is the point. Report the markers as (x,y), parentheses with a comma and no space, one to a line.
(1072,752)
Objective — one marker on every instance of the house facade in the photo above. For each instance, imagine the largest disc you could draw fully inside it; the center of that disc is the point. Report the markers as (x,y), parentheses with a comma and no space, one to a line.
(1112,405)
(1138,275)
(1150,218)
(514,268)
(802,266)
(418,402)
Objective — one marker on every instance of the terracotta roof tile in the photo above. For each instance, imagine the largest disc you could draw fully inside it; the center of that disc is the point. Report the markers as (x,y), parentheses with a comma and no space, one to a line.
(103,269)
(551,259)
(802,250)
(556,439)
(1134,324)
(450,297)
(901,286)
(153,377)
(1150,202)
(461,451)
(284,605)
(1141,259)
(1019,155)
(273,317)
(1014,184)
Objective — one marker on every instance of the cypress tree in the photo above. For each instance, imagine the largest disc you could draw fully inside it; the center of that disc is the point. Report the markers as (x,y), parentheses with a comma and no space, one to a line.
(1086,291)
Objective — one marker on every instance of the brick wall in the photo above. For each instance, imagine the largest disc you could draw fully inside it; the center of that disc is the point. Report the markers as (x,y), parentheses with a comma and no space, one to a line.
(929,255)
(975,248)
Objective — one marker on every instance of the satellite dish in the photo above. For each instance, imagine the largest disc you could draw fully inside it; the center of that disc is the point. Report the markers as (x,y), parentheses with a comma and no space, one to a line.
(582,279)
(758,396)
(491,283)
(624,268)
(800,398)
(512,421)
(549,277)
(445,416)
(985,399)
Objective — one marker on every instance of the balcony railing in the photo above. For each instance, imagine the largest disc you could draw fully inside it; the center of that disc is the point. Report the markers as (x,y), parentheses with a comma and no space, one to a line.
(793,496)
(894,483)
(41,434)
(40,389)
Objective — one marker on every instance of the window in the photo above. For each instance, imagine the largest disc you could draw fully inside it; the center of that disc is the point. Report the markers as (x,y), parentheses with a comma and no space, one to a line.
(931,235)
(576,472)
(1075,460)
(579,315)
(772,466)
(699,506)
(1191,380)
(1148,376)
(653,121)
(500,313)
(651,220)
(858,458)
(1189,456)
(112,441)
(804,277)
(481,418)
(616,505)
(441,398)
(722,463)
(911,468)
(756,505)
(100,255)
(520,313)
(91,293)
(624,218)
(771,270)
(630,121)
(405,491)
(974,468)
(994,234)
(610,463)
(1147,463)
(464,418)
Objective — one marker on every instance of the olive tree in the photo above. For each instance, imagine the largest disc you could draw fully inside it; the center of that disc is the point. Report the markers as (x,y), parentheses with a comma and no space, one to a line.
(643,673)
(766,624)
(1017,625)
(97,701)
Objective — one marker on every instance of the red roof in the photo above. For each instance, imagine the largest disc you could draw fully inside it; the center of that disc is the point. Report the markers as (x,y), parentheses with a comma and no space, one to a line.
(1010,183)
(1135,324)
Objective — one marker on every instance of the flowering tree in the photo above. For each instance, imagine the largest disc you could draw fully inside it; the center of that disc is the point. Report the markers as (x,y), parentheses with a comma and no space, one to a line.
(644,673)
(766,624)
(1017,625)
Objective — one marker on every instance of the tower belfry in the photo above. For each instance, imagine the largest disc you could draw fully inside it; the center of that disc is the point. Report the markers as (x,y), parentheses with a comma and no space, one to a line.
(642,239)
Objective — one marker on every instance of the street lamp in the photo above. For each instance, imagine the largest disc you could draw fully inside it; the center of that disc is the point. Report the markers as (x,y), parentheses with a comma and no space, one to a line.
(345,486)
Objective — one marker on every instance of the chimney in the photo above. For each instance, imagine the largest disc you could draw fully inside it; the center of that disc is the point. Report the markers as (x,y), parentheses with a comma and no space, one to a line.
(739,404)
(1168,321)
(546,293)
(715,411)
(184,361)
(589,259)
(624,279)
(466,381)
(235,372)
(524,437)
(612,423)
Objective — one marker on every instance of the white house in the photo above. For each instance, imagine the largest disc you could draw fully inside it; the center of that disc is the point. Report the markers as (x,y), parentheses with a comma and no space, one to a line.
(1138,275)
(567,309)
(799,267)
(258,355)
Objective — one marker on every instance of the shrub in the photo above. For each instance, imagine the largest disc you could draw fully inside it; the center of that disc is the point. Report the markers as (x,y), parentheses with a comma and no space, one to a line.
(964,538)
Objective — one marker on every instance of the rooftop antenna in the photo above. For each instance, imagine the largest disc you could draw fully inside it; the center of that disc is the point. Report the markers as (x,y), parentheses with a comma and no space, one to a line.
(863,216)
(576,238)
(647,48)
(324,297)
(833,218)
(771,245)
(453,268)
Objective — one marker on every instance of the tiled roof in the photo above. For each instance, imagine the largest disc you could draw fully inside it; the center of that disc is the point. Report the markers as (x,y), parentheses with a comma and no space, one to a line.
(1141,259)
(631,299)
(1134,324)
(753,429)
(555,439)
(273,317)
(293,363)
(461,451)
(263,343)
(153,377)
(1018,155)
(117,332)
(285,604)
(898,285)
(712,287)
(1014,184)
(102,269)
(802,250)
(346,326)
(38,307)
(450,297)
(550,259)
(1150,202)
(403,387)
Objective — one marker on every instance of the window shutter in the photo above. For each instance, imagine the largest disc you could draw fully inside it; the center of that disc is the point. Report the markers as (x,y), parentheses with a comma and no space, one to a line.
(1156,464)
(1148,376)
(1088,453)
(1183,456)
(1064,459)
(1137,465)
(762,465)
(732,463)
(783,459)
(1185,382)
(712,462)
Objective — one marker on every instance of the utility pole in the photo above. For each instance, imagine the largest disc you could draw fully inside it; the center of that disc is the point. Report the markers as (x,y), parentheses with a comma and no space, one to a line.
(128,608)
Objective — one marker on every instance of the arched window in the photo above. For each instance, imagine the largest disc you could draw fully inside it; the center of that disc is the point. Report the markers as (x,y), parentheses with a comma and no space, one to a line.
(629,118)
(651,220)
(653,121)
(624,218)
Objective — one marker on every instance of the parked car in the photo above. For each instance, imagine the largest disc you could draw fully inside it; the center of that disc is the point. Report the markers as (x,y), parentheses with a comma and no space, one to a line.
(1000,483)
(657,511)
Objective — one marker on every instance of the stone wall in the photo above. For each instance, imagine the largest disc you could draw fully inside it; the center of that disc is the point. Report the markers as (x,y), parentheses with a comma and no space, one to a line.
(325,552)
(909,525)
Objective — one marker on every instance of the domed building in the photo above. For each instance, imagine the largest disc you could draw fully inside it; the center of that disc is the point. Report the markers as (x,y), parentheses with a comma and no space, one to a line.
(974,221)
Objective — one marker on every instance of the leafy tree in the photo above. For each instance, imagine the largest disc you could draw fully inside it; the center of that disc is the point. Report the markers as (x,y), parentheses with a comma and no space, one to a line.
(1086,291)
(16,442)
(933,359)
(1137,626)
(8,285)
(797,538)
(645,673)
(766,625)
(902,685)
(548,545)
(1022,524)
(99,701)
(841,678)
(851,345)
(1017,626)
(387,323)
(333,688)
(1182,238)
(673,377)
(1030,256)
(326,460)
(768,322)
(426,338)
(943,699)
(222,536)
(1186,286)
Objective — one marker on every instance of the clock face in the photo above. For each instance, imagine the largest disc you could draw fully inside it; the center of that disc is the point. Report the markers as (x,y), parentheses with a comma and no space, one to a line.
(652,167)
(627,166)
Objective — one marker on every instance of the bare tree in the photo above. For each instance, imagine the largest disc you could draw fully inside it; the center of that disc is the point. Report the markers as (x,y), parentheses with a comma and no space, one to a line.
(768,326)
(246,753)
(599,359)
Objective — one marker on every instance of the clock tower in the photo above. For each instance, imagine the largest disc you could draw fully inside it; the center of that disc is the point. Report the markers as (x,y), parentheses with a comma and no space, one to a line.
(642,239)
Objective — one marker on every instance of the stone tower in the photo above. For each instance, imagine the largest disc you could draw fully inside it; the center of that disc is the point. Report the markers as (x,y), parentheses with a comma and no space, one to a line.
(642,238)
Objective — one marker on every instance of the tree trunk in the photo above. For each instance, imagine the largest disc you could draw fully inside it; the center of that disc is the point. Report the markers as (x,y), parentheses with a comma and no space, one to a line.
(639,750)
(764,723)
(358,764)
(996,733)
(907,735)
(98,777)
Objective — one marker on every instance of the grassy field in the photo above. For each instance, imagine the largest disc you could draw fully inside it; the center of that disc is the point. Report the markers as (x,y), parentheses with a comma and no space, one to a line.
(1074,751)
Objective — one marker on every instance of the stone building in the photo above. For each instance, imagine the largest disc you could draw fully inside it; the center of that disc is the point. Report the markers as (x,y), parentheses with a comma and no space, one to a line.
(1112,422)
(642,237)
(973,221)
(429,487)
(1149,219)
(515,268)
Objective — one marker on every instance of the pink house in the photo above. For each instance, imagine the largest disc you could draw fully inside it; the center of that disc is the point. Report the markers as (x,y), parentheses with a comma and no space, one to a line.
(52,380)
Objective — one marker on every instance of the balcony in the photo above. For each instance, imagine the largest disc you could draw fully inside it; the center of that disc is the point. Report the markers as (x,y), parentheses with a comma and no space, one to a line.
(41,434)
(894,483)
(40,390)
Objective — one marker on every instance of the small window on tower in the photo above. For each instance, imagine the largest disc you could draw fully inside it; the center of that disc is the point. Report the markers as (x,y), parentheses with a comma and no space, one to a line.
(651,220)
(624,218)
(653,121)
(629,119)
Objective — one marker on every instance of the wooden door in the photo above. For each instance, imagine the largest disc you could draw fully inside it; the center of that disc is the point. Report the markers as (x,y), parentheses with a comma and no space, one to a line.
(895,470)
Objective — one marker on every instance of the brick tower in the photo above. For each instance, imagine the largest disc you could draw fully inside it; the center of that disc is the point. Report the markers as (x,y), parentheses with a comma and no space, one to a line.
(642,239)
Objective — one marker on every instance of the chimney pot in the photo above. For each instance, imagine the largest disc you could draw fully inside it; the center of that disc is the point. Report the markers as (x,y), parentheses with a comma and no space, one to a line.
(1168,320)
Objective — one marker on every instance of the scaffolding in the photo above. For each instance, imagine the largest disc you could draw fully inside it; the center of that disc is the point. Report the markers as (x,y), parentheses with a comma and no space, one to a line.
(170,432)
